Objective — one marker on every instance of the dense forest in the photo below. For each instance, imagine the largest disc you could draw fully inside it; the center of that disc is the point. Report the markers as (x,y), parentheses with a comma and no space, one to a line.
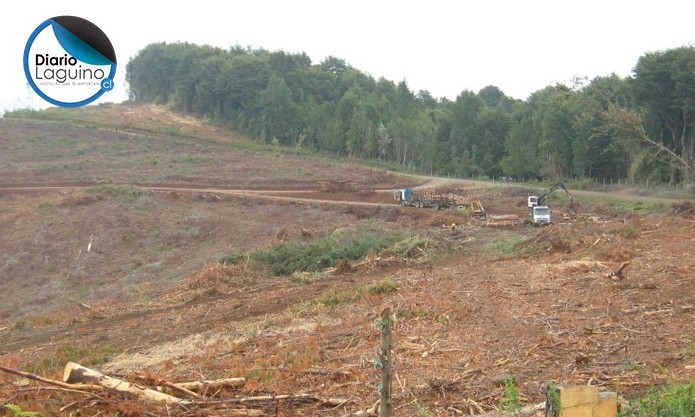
(641,127)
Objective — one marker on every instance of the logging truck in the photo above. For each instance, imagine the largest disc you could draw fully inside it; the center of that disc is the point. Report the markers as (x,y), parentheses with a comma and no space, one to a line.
(421,198)
(430,198)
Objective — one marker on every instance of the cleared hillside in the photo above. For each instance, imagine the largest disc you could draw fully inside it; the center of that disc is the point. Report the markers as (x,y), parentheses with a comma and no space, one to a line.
(115,265)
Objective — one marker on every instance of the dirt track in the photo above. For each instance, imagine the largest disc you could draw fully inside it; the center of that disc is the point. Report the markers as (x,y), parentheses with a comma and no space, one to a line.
(384,196)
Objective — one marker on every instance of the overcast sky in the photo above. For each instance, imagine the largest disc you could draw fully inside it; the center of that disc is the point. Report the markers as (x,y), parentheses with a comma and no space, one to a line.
(445,47)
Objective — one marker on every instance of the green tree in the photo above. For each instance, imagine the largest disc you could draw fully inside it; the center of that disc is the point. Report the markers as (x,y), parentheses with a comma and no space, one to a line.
(279,116)
(465,138)
(596,150)
(521,157)
(664,84)
(552,110)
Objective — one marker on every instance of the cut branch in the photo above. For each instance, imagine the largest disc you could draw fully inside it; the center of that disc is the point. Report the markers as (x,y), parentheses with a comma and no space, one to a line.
(215,383)
(182,389)
(631,124)
(333,402)
(78,387)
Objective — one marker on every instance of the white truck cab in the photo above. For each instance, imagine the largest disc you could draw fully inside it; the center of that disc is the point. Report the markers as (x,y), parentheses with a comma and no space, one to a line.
(540,215)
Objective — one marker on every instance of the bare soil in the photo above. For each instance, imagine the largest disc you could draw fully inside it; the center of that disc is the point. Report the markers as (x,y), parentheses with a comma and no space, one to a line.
(126,279)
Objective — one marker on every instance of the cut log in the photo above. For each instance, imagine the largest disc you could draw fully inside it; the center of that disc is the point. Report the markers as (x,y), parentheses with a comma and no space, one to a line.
(75,373)
(215,383)
(580,401)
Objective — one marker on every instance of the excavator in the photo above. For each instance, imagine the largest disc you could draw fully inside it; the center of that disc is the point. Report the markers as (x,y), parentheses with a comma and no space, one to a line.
(540,213)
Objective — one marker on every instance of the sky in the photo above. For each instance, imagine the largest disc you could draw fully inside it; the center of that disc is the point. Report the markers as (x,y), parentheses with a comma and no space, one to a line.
(445,47)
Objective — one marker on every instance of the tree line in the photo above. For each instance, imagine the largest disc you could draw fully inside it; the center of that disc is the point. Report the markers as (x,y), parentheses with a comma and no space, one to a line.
(640,127)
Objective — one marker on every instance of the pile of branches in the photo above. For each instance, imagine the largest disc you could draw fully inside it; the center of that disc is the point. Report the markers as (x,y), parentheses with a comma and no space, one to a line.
(684,209)
(86,390)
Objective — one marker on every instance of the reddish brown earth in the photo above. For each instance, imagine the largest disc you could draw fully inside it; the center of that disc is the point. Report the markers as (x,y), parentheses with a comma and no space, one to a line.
(149,298)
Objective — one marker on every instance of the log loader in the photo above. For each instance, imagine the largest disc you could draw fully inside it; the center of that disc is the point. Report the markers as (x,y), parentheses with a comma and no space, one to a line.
(540,213)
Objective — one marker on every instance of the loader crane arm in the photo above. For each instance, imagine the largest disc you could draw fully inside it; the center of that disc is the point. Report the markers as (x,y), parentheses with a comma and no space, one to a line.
(550,191)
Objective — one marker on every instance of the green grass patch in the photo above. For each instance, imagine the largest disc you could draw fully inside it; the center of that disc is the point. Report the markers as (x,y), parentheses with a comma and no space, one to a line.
(688,350)
(16,411)
(333,299)
(628,205)
(322,253)
(343,244)
(123,193)
(671,400)
(504,244)
(384,287)
(189,159)
(511,402)
(412,312)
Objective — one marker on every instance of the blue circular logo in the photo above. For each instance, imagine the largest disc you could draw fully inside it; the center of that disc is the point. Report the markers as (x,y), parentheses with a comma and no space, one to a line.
(69,61)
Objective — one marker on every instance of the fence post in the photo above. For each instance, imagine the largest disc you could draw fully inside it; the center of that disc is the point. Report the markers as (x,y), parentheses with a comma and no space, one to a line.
(385,405)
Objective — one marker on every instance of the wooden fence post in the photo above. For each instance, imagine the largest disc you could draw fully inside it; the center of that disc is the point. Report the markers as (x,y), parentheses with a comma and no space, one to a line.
(385,405)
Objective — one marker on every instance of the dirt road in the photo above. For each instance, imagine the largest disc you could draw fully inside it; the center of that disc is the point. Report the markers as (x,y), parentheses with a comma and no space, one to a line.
(354,199)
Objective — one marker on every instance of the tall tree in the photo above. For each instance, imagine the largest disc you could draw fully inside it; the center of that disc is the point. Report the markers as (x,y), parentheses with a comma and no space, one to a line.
(521,157)
(464,141)
(277,108)
(597,151)
(552,115)
(664,84)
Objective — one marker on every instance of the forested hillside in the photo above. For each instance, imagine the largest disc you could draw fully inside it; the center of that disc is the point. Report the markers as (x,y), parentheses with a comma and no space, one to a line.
(640,127)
